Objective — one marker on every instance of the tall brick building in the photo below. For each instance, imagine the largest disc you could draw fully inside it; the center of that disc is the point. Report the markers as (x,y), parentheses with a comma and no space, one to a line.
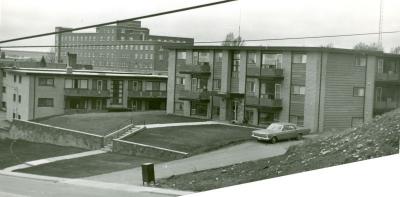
(122,47)
(320,88)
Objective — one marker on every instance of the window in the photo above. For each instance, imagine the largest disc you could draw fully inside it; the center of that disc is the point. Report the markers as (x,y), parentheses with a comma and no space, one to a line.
(217,84)
(181,55)
(356,121)
(360,60)
(13,115)
(180,81)
(76,83)
(19,79)
(15,78)
(45,102)
(19,117)
(19,98)
(46,81)
(251,58)
(251,87)
(357,91)
(161,57)
(235,64)
(299,90)
(299,58)
(14,97)
(267,118)
(4,89)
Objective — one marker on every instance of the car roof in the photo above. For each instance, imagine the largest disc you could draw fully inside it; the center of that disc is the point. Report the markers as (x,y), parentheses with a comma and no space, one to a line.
(284,123)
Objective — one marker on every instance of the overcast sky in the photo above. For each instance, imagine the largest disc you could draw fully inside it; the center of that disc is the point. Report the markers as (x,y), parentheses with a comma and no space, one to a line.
(258,19)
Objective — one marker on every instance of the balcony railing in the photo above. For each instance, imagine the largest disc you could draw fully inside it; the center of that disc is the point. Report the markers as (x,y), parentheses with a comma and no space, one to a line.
(147,94)
(75,92)
(194,69)
(386,105)
(264,72)
(387,77)
(263,102)
(191,95)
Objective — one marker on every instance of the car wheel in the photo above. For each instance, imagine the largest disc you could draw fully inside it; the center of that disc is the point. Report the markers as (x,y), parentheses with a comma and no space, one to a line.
(274,140)
(299,136)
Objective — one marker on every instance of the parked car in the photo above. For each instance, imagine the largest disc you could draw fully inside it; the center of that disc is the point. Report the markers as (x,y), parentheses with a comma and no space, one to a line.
(280,131)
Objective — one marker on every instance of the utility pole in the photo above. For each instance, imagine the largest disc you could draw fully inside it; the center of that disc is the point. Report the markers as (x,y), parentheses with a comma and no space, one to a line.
(380,24)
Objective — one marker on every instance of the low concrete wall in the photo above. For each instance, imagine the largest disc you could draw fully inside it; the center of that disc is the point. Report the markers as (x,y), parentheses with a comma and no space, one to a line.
(41,133)
(131,148)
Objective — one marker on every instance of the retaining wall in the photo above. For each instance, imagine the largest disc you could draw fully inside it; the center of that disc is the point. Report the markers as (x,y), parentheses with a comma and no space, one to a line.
(41,133)
(131,148)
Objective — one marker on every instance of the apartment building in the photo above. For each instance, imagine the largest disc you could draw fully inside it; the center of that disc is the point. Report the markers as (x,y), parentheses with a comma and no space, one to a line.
(31,93)
(123,47)
(319,88)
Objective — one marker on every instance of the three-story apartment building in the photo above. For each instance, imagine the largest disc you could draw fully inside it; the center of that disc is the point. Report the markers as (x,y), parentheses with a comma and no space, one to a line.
(319,88)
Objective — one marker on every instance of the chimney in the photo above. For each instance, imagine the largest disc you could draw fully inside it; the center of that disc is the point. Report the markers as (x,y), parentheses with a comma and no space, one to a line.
(71,62)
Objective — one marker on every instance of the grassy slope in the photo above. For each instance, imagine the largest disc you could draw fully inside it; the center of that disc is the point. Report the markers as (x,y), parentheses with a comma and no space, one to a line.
(28,151)
(105,123)
(374,139)
(192,139)
(89,166)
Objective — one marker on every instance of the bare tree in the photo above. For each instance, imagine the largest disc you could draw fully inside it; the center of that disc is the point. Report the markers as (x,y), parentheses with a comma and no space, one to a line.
(368,47)
(231,40)
(51,56)
(395,50)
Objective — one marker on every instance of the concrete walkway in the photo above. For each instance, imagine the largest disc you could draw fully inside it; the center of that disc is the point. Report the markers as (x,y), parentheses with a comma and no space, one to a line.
(52,159)
(179,124)
(248,151)
(62,182)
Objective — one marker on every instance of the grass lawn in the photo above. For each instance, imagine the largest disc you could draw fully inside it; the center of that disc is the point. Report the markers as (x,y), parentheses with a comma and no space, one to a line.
(105,123)
(192,139)
(89,166)
(23,151)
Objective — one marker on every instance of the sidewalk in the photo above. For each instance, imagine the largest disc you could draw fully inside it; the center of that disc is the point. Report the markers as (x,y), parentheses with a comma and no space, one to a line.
(52,159)
(134,189)
(248,151)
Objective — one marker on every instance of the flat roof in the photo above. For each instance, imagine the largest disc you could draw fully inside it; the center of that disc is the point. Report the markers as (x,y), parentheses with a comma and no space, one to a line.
(84,73)
(281,48)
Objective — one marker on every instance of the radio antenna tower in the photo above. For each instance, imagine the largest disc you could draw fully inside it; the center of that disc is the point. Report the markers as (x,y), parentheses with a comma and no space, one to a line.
(380,24)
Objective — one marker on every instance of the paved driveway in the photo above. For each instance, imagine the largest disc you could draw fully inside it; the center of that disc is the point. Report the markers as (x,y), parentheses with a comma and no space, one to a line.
(247,151)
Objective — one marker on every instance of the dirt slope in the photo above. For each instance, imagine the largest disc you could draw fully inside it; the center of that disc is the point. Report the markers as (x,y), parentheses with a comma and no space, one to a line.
(377,138)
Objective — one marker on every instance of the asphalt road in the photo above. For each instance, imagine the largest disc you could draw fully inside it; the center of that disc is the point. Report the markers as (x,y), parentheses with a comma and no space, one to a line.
(248,151)
(22,187)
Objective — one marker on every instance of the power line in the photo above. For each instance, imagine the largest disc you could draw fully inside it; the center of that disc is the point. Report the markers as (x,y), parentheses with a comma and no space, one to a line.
(304,37)
(118,21)
(205,42)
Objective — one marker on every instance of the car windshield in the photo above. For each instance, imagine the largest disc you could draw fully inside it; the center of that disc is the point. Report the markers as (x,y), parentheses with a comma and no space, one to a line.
(274,127)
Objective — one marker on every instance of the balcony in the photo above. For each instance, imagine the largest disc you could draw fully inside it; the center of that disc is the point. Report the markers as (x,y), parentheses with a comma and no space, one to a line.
(265,72)
(74,92)
(387,77)
(263,102)
(386,105)
(194,69)
(194,96)
(147,94)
